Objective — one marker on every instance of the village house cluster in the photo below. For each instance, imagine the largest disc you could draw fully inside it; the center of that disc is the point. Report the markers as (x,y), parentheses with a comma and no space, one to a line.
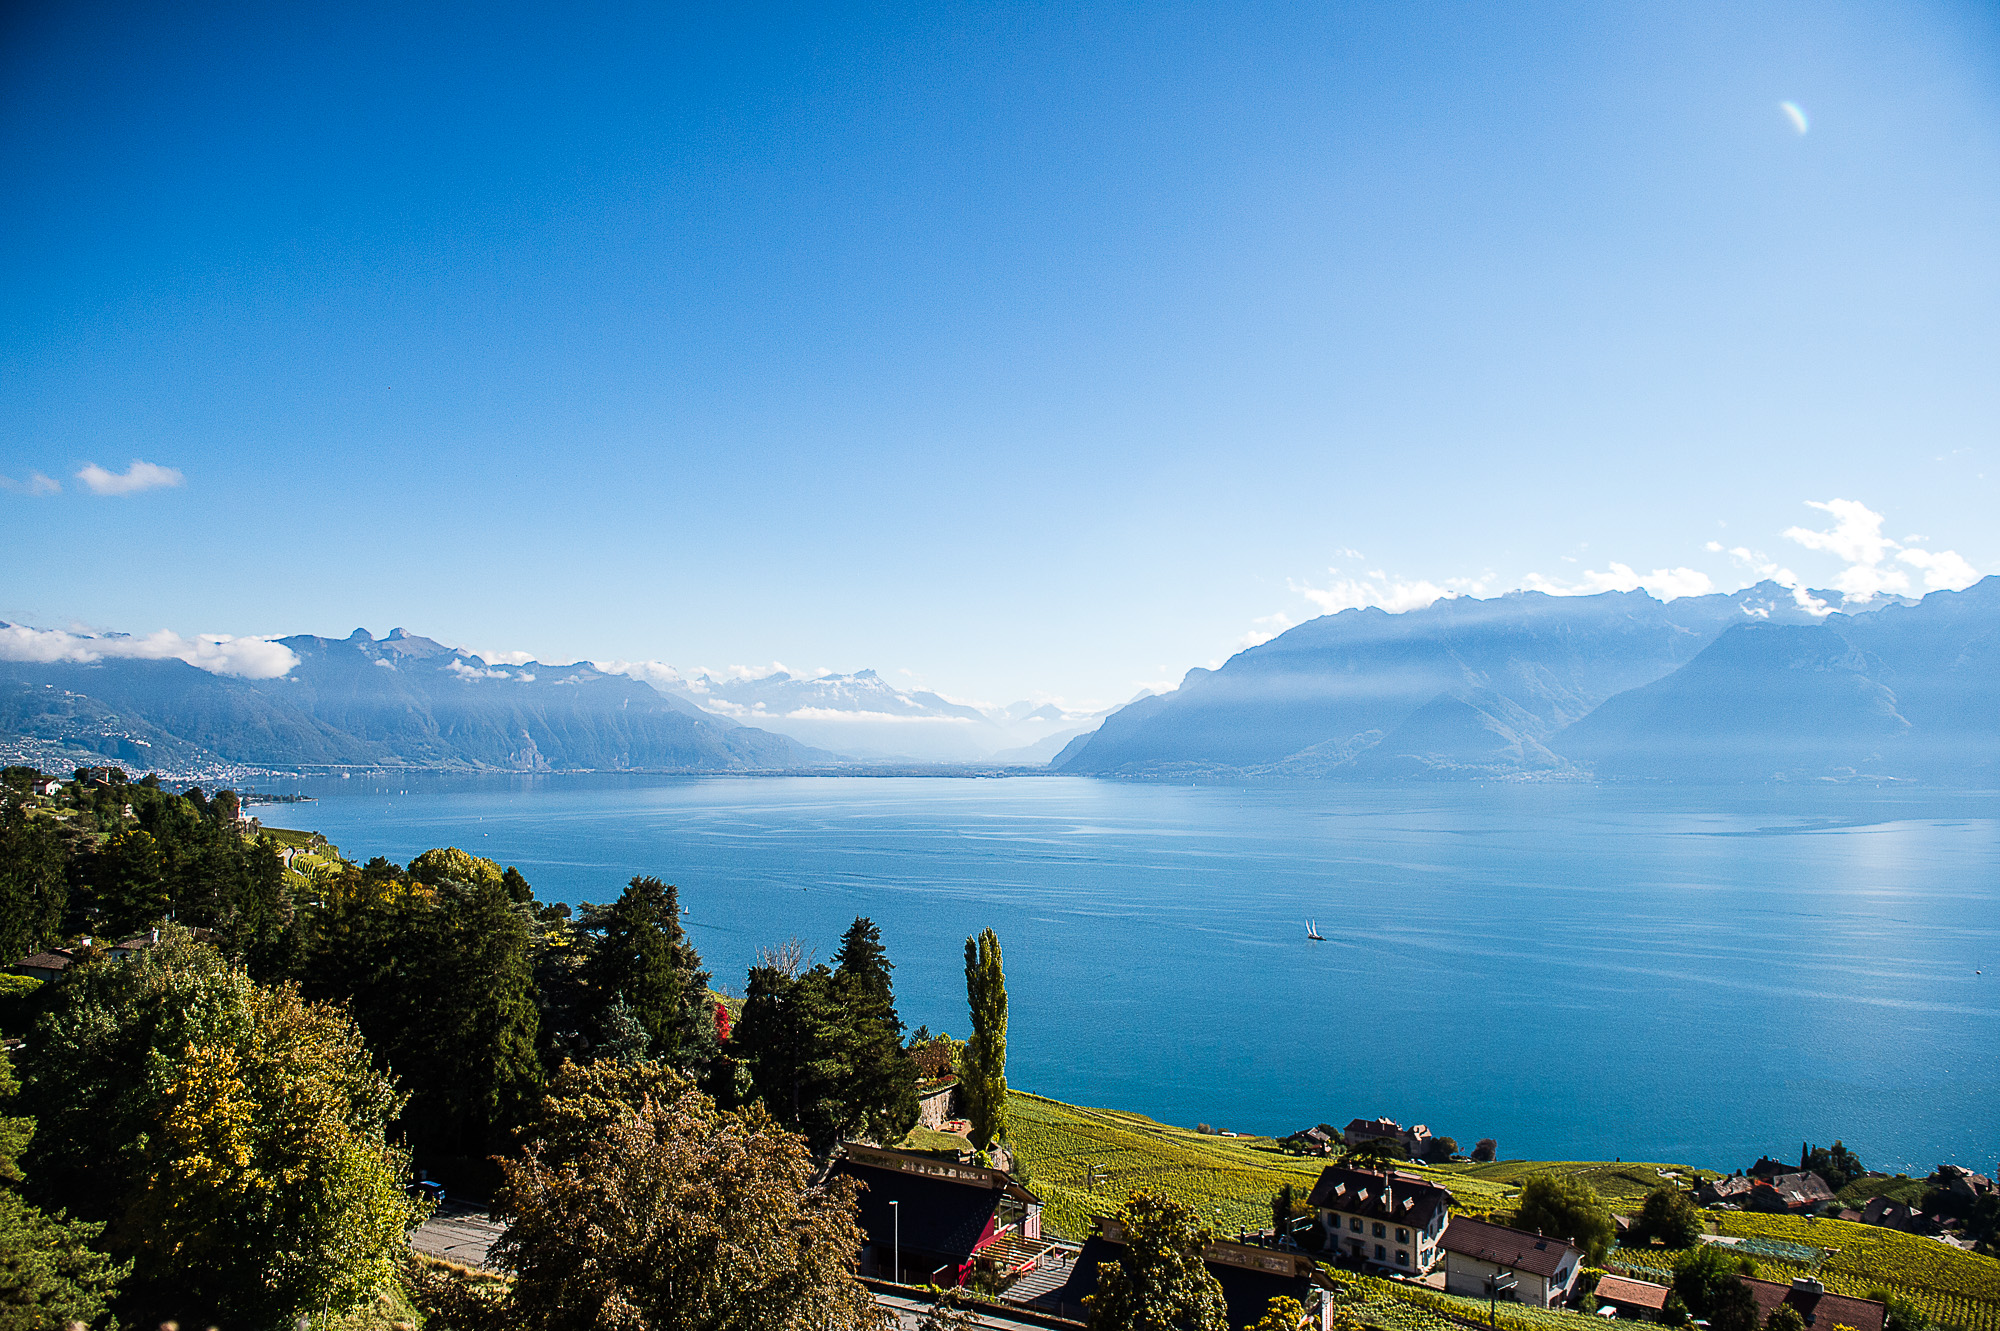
(933,1221)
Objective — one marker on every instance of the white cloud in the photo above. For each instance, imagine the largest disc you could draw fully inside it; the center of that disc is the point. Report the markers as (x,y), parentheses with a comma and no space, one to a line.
(1666,583)
(1944,570)
(218,653)
(36,484)
(1856,537)
(135,478)
(657,673)
(873,718)
(1377,589)
(499,658)
(467,672)
(1856,540)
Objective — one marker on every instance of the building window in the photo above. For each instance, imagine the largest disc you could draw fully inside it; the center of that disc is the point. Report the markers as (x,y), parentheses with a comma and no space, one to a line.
(1380,1230)
(1379,1254)
(1402,1257)
(1355,1224)
(1402,1235)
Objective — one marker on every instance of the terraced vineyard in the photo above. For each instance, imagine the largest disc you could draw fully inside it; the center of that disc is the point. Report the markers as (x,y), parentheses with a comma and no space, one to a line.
(1228,1180)
(1952,1287)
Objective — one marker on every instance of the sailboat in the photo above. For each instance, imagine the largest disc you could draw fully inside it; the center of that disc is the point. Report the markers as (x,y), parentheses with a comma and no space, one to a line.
(1312,932)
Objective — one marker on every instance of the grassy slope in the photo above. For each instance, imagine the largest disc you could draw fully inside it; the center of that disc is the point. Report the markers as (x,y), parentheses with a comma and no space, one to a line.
(1229,1181)
(1060,1144)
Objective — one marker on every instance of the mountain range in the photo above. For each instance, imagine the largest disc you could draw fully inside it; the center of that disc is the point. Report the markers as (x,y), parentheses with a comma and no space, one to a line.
(401,701)
(1748,685)
(865,717)
(1754,685)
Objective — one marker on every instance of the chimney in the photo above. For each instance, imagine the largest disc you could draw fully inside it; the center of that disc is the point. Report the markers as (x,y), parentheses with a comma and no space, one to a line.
(1807,1285)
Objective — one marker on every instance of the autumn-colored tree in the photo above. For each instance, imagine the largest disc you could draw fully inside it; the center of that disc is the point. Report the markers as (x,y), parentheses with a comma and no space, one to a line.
(270,1189)
(1283,1313)
(235,1137)
(637,1203)
(1159,1282)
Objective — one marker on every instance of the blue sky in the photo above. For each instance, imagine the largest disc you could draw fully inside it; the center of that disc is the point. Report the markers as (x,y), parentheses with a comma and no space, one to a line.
(1025,349)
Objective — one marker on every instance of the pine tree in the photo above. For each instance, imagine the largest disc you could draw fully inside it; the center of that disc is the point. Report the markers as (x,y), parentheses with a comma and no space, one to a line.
(642,957)
(883,1089)
(984,1079)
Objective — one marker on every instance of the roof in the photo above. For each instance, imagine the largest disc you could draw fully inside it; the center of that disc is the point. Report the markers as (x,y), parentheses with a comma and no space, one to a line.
(1632,1293)
(1375,1127)
(1537,1254)
(1402,1198)
(946,1207)
(44,961)
(1822,1311)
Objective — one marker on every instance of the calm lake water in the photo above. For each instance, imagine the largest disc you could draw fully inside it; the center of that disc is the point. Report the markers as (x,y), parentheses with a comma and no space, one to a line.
(1694,976)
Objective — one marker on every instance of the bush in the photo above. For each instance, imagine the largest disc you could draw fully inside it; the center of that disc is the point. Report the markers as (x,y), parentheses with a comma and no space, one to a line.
(1486,1150)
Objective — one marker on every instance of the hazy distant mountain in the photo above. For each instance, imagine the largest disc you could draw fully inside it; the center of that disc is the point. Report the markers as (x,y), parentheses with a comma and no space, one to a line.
(1739,686)
(864,716)
(356,701)
(1907,691)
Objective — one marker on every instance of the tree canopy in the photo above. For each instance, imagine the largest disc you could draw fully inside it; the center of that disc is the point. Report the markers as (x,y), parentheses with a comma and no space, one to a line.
(1159,1282)
(1669,1217)
(1568,1208)
(233,1137)
(637,1202)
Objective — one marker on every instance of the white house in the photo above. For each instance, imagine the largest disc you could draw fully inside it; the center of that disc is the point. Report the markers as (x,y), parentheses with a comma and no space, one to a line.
(1392,1220)
(1544,1269)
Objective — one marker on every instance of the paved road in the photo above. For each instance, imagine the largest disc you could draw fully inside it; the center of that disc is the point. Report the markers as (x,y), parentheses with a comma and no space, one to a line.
(457,1233)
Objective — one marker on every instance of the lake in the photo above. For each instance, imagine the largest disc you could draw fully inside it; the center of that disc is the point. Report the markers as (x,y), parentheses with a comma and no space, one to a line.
(1577,971)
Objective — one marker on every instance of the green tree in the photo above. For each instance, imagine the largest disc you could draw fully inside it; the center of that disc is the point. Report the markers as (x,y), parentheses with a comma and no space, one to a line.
(638,1203)
(983,1080)
(1838,1165)
(270,1189)
(1732,1307)
(641,956)
(235,1137)
(51,1271)
(1703,1275)
(1785,1317)
(1568,1208)
(34,890)
(1668,1216)
(797,1039)
(883,1089)
(1159,1282)
(466,1043)
(1486,1150)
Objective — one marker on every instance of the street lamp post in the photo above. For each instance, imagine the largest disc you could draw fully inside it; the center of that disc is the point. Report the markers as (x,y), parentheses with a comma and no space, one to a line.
(896,1211)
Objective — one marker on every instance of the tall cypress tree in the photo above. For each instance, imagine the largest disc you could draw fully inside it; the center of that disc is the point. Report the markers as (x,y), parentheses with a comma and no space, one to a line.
(984,1079)
(882,1087)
